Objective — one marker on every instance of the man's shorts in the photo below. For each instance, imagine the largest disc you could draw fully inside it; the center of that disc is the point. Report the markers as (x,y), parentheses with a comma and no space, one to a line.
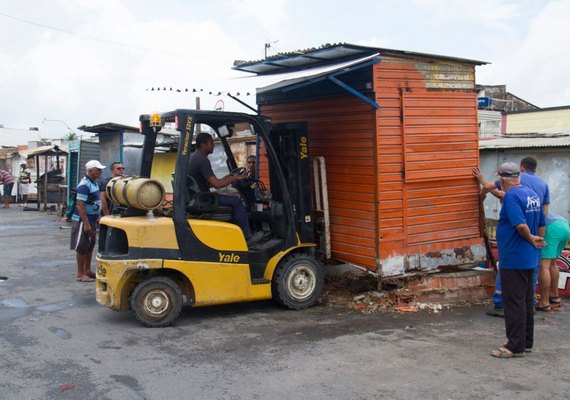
(556,237)
(8,189)
(81,242)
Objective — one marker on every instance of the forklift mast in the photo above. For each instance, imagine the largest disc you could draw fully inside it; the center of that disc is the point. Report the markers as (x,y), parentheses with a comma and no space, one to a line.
(291,143)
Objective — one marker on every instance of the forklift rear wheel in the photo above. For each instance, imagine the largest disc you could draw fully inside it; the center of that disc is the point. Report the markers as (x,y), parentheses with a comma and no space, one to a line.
(297,282)
(157,302)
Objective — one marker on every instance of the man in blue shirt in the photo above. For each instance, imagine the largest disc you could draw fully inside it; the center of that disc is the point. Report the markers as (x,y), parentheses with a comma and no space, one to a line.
(530,180)
(84,221)
(519,237)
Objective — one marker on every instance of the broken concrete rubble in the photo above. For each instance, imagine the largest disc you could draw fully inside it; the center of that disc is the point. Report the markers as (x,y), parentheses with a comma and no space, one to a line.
(430,293)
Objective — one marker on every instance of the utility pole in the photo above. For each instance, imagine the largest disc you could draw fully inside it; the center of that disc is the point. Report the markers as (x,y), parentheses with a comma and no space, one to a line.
(268,46)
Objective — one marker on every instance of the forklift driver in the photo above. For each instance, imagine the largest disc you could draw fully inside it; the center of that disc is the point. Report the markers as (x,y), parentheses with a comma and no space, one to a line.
(200,169)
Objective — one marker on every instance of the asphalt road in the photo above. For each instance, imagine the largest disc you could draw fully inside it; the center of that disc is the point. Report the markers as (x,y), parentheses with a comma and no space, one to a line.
(56,342)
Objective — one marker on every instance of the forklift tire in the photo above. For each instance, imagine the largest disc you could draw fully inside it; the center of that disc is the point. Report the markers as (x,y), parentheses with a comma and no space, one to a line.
(157,302)
(297,282)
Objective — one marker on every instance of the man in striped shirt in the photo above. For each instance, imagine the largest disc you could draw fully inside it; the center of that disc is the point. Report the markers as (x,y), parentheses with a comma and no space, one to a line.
(8,181)
(85,219)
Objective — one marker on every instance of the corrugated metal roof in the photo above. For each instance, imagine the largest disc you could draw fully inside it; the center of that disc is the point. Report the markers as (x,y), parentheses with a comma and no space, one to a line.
(520,142)
(108,127)
(539,109)
(46,151)
(332,53)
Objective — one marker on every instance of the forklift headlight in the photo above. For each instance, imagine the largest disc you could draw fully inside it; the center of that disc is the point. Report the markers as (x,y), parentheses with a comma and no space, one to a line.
(101,271)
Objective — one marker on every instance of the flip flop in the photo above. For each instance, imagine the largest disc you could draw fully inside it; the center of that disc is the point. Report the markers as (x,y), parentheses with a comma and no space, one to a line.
(502,352)
(543,308)
(86,279)
(555,302)
(526,349)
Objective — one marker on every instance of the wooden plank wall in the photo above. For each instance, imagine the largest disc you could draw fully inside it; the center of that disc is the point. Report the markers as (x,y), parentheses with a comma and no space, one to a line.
(427,145)
(342,130)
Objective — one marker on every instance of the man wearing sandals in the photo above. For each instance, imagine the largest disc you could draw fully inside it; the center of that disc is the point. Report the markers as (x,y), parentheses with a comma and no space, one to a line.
(540,187)
(519,238)
(85,219)
(556,237)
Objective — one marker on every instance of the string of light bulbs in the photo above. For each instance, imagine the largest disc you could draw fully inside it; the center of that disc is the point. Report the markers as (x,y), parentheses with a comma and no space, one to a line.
(194,90)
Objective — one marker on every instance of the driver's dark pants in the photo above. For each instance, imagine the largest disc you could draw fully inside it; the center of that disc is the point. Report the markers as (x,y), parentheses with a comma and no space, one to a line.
(239,214)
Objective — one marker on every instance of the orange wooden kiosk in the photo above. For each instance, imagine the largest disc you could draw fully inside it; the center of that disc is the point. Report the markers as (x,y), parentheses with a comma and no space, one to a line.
(398,132)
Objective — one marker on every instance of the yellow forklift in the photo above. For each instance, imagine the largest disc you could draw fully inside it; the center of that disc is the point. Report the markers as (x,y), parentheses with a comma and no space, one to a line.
(154,262)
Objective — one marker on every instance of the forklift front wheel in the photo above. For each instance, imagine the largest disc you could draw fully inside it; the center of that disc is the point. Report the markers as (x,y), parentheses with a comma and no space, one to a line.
(157,302)
(298,282)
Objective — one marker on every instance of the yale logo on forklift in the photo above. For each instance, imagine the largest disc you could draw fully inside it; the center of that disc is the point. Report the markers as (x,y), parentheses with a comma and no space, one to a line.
(229,258)
(304,148)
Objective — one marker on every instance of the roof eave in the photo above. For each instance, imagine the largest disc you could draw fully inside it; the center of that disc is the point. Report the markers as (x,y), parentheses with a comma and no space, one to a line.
(278,60)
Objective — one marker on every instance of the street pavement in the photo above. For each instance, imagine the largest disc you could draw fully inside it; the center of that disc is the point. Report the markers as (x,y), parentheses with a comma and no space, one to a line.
(56,342)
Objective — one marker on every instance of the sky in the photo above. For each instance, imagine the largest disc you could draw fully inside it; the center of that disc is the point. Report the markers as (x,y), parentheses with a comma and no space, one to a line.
(67,63)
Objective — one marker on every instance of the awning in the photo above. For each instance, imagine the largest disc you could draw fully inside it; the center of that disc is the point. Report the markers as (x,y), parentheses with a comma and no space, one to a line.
(292,80)
(109,127)
(277,81)
(46,151)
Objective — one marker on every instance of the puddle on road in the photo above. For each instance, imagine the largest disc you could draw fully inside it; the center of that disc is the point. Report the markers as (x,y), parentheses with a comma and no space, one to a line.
(49,308)
(16,307)
(15,302)
(7,314)
(60,332)
(13,307)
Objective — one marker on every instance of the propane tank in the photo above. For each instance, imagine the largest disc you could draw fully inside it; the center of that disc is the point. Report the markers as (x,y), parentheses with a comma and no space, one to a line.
(136,192)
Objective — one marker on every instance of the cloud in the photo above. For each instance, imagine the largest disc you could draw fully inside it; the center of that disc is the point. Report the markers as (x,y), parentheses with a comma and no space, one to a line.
(537,68)
(101,71)
(270,15)
(487,14)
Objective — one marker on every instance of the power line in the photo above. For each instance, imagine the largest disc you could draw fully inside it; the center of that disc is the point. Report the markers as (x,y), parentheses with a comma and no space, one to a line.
(107,41)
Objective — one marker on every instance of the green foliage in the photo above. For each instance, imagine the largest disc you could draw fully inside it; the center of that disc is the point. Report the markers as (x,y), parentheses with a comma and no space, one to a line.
(70,136)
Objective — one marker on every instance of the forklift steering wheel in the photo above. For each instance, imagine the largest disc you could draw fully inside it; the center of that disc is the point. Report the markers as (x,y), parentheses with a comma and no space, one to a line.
(240,171)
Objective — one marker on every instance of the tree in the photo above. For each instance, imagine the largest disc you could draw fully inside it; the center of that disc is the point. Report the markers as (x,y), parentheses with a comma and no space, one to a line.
(70,136)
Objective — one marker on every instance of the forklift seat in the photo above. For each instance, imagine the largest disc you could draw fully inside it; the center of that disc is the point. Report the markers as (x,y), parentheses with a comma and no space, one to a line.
(204,205)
